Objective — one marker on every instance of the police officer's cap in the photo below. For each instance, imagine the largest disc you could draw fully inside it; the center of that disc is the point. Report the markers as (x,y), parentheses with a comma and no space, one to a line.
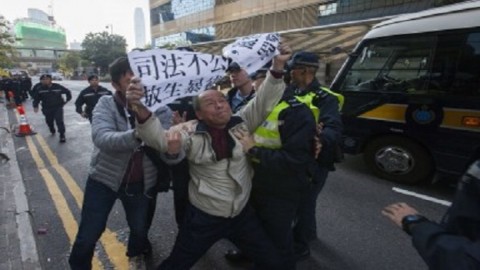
(303,58)
(44,76)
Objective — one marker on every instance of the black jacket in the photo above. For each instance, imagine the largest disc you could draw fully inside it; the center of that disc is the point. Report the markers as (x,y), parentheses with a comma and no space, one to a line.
(331,137)
(455,243)
(90,97)
(283,172)
(50,96)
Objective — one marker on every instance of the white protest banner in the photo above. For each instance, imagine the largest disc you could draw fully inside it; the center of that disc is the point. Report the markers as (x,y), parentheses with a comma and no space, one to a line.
(170,74)
(253,52)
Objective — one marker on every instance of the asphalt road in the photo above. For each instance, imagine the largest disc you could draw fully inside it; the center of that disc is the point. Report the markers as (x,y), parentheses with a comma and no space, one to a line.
(352,232)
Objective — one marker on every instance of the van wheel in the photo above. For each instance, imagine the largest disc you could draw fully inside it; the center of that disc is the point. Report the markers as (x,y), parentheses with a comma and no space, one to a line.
(399,159)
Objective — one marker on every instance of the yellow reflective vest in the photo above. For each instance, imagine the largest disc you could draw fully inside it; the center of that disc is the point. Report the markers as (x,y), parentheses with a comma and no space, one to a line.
(267,135)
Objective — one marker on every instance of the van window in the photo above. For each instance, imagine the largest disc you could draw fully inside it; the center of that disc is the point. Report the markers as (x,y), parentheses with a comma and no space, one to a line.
(467,79)
(392,65)
(444,64)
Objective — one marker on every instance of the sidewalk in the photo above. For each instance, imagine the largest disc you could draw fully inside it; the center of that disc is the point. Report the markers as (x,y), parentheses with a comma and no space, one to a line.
(17,241)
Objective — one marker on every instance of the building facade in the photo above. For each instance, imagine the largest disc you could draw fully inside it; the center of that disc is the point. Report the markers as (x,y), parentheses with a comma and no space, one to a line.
(39,40)
(311,25)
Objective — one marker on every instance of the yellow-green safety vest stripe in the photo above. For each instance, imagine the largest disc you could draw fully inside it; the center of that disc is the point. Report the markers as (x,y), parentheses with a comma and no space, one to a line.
(340,97)
(267,135)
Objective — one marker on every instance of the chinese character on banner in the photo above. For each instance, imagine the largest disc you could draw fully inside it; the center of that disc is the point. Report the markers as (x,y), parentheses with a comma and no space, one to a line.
(167,75)
(253,52)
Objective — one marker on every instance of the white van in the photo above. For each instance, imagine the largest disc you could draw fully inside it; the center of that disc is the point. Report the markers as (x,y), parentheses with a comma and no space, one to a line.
(412,94)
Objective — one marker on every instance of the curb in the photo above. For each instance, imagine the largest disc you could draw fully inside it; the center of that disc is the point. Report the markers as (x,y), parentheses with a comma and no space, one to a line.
(28,248)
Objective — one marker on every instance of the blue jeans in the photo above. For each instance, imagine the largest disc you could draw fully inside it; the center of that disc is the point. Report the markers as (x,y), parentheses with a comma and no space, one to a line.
(201,230)
(305,228)
(97,204)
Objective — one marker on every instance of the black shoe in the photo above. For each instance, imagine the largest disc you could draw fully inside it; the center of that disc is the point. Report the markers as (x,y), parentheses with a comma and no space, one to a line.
(236,256)
(52,130)
(62,138)
(302,254)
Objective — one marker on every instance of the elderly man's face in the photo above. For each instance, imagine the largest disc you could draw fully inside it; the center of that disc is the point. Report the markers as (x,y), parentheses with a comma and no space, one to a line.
(214,109)
(297,74)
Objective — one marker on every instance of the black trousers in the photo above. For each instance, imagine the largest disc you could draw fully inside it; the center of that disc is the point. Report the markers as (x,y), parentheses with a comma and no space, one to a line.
(52,115)
(201,230)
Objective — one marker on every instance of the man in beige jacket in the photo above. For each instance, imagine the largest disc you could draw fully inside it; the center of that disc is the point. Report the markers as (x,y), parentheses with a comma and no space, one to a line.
(220,171)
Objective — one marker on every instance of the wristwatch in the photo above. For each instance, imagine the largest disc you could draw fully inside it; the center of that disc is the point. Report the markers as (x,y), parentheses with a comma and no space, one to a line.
(409,220)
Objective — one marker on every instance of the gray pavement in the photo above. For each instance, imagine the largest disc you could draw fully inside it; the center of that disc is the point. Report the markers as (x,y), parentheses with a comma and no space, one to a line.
(17,239)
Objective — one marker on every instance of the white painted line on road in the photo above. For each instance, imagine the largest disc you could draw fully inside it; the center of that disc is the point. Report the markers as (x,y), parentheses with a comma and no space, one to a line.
(421,196)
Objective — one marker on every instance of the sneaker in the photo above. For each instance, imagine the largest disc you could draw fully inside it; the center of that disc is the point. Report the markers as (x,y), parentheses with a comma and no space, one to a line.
(137,263)
(62,138)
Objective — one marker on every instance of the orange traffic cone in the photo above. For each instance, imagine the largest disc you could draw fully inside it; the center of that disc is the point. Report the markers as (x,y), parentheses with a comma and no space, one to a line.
(24,128)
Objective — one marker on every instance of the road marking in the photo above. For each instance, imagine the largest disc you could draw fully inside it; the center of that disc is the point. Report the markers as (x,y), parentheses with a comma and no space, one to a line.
(113,247)
(69,223)
(421,196)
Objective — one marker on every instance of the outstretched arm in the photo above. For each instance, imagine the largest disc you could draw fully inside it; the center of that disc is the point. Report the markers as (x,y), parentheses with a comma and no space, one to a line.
(269,94)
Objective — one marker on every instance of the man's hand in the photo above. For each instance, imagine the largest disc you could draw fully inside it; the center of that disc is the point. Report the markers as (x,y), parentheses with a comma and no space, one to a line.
(245,139)
(35,110)
(174,142)
(133,96)
(317,148)
(134,93)
(281,59)
(397,211)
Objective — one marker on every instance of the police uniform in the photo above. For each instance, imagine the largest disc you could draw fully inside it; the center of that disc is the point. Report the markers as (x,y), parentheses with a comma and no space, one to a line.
(325,105)
(455,243)
(90,96)
(280,158)
(52,104)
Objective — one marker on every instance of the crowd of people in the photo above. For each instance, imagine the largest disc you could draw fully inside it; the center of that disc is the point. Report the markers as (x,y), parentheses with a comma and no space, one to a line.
(240,164)
(18,86)
(247,166)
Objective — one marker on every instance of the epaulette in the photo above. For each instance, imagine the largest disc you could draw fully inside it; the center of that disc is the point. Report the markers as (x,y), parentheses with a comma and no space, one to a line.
(320,93)
(293,102)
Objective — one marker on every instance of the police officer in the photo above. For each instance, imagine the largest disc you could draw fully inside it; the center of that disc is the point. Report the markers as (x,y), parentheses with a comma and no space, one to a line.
(16,87)
(455,242)
(26,85)
(51,96)
(5,86)
(325,106)
(281,153)
(89,97)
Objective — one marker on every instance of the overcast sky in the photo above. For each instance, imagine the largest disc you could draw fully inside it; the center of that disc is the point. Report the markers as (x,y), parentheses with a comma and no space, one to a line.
(79,17)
